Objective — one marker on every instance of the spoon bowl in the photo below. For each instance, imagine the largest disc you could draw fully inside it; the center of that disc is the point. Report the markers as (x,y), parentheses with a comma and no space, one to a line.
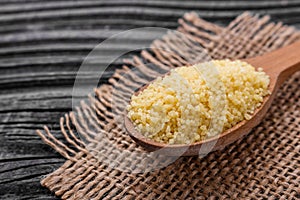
(278,65)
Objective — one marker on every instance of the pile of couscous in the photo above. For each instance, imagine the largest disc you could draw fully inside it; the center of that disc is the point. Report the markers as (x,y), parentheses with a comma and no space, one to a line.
(183,106)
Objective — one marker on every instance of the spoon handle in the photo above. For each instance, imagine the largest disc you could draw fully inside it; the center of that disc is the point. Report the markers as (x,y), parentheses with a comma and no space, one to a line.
(279,64)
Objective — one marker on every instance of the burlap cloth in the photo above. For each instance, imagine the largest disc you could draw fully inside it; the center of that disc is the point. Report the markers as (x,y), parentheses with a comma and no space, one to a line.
(263,165)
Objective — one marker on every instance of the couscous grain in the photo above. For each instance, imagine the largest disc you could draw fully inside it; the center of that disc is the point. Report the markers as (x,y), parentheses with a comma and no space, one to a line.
(180,107)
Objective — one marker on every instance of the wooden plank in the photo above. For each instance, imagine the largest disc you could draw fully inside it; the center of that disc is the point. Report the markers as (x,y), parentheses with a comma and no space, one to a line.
(222,5)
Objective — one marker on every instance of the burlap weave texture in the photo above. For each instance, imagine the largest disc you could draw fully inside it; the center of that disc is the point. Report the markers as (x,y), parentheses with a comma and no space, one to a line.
(263,165)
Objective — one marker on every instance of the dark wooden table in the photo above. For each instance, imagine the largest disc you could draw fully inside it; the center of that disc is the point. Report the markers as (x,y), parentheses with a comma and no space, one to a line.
(42,44)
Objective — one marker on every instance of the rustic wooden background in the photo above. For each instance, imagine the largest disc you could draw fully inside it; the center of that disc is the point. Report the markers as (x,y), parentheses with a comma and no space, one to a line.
(42,44)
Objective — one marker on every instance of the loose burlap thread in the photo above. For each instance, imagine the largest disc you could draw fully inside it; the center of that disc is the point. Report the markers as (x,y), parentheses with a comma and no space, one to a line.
(263,165)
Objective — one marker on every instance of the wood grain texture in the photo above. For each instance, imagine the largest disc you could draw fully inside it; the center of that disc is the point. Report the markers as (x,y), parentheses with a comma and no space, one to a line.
(42,44)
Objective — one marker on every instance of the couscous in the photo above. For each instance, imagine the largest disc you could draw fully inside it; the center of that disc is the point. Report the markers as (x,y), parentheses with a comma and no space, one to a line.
(196,102)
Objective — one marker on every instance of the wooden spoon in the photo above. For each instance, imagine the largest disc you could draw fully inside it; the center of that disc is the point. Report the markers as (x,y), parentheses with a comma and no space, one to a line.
(279,65)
